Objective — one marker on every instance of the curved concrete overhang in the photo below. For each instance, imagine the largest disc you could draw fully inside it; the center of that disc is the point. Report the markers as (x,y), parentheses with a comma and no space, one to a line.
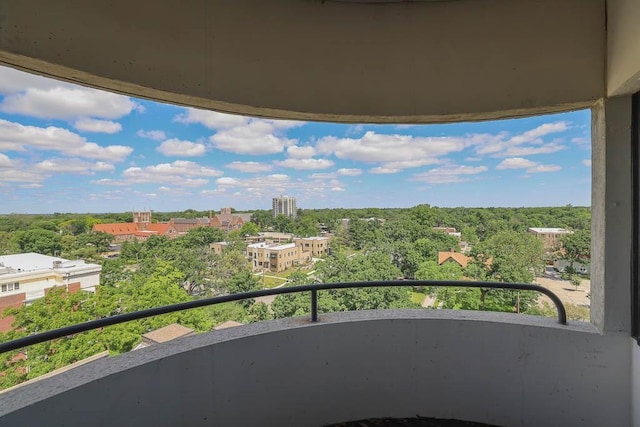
(322,60)
(501,369)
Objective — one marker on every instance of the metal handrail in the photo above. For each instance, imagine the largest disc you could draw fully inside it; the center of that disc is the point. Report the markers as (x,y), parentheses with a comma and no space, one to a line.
(142,314)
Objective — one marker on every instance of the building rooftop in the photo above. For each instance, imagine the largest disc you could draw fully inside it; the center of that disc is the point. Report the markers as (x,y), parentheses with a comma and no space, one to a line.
(461,259)
(117,228)
(550,230)
(167,333)
(19,263)
(227,324)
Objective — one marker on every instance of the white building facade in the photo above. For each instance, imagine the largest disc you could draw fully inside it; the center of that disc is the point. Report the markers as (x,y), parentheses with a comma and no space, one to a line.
(26,277)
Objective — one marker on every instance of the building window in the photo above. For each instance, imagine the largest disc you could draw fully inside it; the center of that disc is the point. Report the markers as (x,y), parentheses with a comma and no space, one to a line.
(8,287)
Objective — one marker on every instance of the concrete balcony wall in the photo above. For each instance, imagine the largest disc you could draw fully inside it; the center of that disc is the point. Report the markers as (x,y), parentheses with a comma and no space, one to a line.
(635,385)
(495,368)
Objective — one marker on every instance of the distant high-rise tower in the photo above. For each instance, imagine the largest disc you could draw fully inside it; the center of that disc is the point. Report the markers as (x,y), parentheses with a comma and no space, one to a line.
(284,205)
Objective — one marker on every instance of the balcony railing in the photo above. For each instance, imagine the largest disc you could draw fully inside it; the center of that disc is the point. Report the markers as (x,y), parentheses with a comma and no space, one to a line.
(114,320)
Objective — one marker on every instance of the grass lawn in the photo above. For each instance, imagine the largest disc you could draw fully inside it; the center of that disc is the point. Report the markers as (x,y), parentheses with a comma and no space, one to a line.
(269,282)
(417,297)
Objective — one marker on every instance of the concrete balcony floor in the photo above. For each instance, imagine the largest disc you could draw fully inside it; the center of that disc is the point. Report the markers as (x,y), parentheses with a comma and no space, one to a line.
(409,422)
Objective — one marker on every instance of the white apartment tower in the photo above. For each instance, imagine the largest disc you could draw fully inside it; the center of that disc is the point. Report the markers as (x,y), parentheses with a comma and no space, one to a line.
(284,205)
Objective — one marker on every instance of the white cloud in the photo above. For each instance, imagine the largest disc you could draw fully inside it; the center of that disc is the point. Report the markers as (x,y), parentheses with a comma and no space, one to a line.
(255,184)
(301,152)
(213,192)
(587,162)
(216,121)
(6,162)
(337,189)
(31,186)
(67,102)
(181,173)
(305,164)
(581,140)
(383,170)
(164,189)
(176,147)
(102,166)
(17,137)
(526,143)
(99,126)
(544,168)
(522,163)
(211,119)
(515,163)
(349,172)
(449,174)
(21,175)
(321,175)
(13,81)
(250,167)
(242,135)
(258,137)
(71,166)
(156,135)
(378,148)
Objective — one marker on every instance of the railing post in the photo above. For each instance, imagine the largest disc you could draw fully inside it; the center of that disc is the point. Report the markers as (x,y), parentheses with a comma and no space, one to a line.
(314,305)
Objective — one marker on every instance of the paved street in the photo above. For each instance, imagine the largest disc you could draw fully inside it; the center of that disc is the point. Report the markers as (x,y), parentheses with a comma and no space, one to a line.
(566,291)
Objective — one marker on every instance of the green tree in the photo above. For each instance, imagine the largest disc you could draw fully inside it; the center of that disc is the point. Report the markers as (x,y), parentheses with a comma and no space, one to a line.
(577,245)
(249,229)
(41,241)
(202,236)
(243,281)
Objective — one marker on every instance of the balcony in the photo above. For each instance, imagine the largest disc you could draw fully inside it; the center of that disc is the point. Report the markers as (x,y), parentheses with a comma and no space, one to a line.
(357,62)
(493,368)
(342,367)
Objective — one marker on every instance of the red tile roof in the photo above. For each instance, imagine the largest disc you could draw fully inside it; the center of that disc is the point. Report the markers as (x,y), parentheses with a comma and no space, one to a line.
(457,257)
(159,227)
(117,229)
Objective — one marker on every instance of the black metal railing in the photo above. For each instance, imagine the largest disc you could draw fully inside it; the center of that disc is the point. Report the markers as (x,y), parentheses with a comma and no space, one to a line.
(142,314)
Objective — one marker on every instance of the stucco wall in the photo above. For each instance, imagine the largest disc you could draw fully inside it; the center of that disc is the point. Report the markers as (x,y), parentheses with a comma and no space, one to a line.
(314,59)
(495,368)
(623,47)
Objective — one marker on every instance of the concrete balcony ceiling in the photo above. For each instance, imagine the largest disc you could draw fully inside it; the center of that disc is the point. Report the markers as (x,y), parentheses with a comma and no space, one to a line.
(325,60)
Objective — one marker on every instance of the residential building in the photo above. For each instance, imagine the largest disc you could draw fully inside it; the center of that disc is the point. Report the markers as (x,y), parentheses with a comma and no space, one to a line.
(272,237)
(451,231)
(284,205)
(318,246)
(456,257)
(550,237)
(29,276)
(465,247)
(218,247)
(276,257)
(583,266)
(228,221)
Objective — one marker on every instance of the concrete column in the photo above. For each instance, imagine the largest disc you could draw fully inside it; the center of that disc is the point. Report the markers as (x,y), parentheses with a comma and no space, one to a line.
(611,215)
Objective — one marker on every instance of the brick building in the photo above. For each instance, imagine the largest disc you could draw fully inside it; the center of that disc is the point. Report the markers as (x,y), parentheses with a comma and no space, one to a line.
(29,276)
(550,237)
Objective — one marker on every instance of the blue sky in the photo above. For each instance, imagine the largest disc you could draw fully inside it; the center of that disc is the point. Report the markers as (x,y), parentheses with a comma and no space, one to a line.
(67,148)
